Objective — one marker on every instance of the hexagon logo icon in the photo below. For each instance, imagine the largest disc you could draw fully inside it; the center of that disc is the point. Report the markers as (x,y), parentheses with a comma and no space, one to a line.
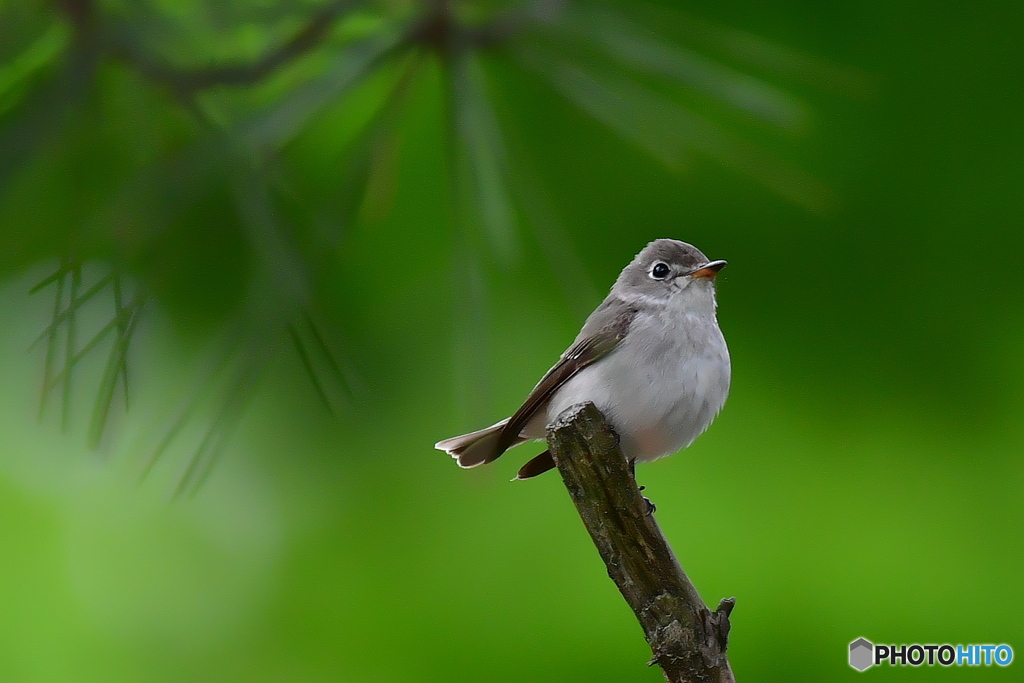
(862,654)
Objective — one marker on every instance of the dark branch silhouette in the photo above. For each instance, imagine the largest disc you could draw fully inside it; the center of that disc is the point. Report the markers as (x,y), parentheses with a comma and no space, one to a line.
(187,81)
(83,17)
(436,28)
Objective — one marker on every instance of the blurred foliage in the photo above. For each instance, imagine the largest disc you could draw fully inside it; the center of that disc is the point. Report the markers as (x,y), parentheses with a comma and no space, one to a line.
(224,217)
(177,112)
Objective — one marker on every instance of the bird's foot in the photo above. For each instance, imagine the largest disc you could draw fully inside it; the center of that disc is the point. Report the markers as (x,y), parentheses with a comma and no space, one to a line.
(649,507)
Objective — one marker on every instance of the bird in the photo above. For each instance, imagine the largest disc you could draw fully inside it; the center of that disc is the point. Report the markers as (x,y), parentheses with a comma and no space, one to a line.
(651,358)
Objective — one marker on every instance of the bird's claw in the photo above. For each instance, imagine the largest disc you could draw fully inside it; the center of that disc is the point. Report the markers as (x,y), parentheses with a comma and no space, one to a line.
(649,506)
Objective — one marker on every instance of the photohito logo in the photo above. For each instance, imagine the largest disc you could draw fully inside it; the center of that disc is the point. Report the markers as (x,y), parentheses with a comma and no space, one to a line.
(864,654)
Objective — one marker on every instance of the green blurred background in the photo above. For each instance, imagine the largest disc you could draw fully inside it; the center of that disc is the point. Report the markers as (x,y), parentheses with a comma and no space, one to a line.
(441,206)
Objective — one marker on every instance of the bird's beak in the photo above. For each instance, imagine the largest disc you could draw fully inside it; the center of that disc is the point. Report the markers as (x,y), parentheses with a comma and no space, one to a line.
(710,270)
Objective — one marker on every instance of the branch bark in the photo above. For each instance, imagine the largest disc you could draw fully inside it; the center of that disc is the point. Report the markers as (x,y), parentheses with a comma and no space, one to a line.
(688,640)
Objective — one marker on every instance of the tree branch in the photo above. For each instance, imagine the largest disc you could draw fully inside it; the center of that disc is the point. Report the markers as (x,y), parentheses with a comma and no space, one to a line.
(186,81)
(688,640)
(435,28)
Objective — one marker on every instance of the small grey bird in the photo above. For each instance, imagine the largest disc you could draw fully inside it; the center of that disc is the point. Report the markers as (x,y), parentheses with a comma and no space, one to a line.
(651,357)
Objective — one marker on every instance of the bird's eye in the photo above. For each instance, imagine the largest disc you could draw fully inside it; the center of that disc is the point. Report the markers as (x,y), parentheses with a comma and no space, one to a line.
(660,271)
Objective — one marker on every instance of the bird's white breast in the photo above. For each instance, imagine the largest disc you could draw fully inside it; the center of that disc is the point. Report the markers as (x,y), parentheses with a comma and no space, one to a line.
(661,387)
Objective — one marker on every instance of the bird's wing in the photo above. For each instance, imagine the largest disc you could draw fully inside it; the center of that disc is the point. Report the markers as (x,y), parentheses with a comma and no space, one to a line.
(605,328)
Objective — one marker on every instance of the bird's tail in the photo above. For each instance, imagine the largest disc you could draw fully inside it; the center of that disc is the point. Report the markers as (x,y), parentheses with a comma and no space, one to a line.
(475,448)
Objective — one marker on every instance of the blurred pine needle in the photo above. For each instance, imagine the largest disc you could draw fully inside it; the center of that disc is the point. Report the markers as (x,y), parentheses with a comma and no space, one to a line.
(243,110)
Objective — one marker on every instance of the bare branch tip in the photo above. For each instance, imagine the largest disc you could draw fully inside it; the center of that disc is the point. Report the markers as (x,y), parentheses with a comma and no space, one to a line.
(571,415)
